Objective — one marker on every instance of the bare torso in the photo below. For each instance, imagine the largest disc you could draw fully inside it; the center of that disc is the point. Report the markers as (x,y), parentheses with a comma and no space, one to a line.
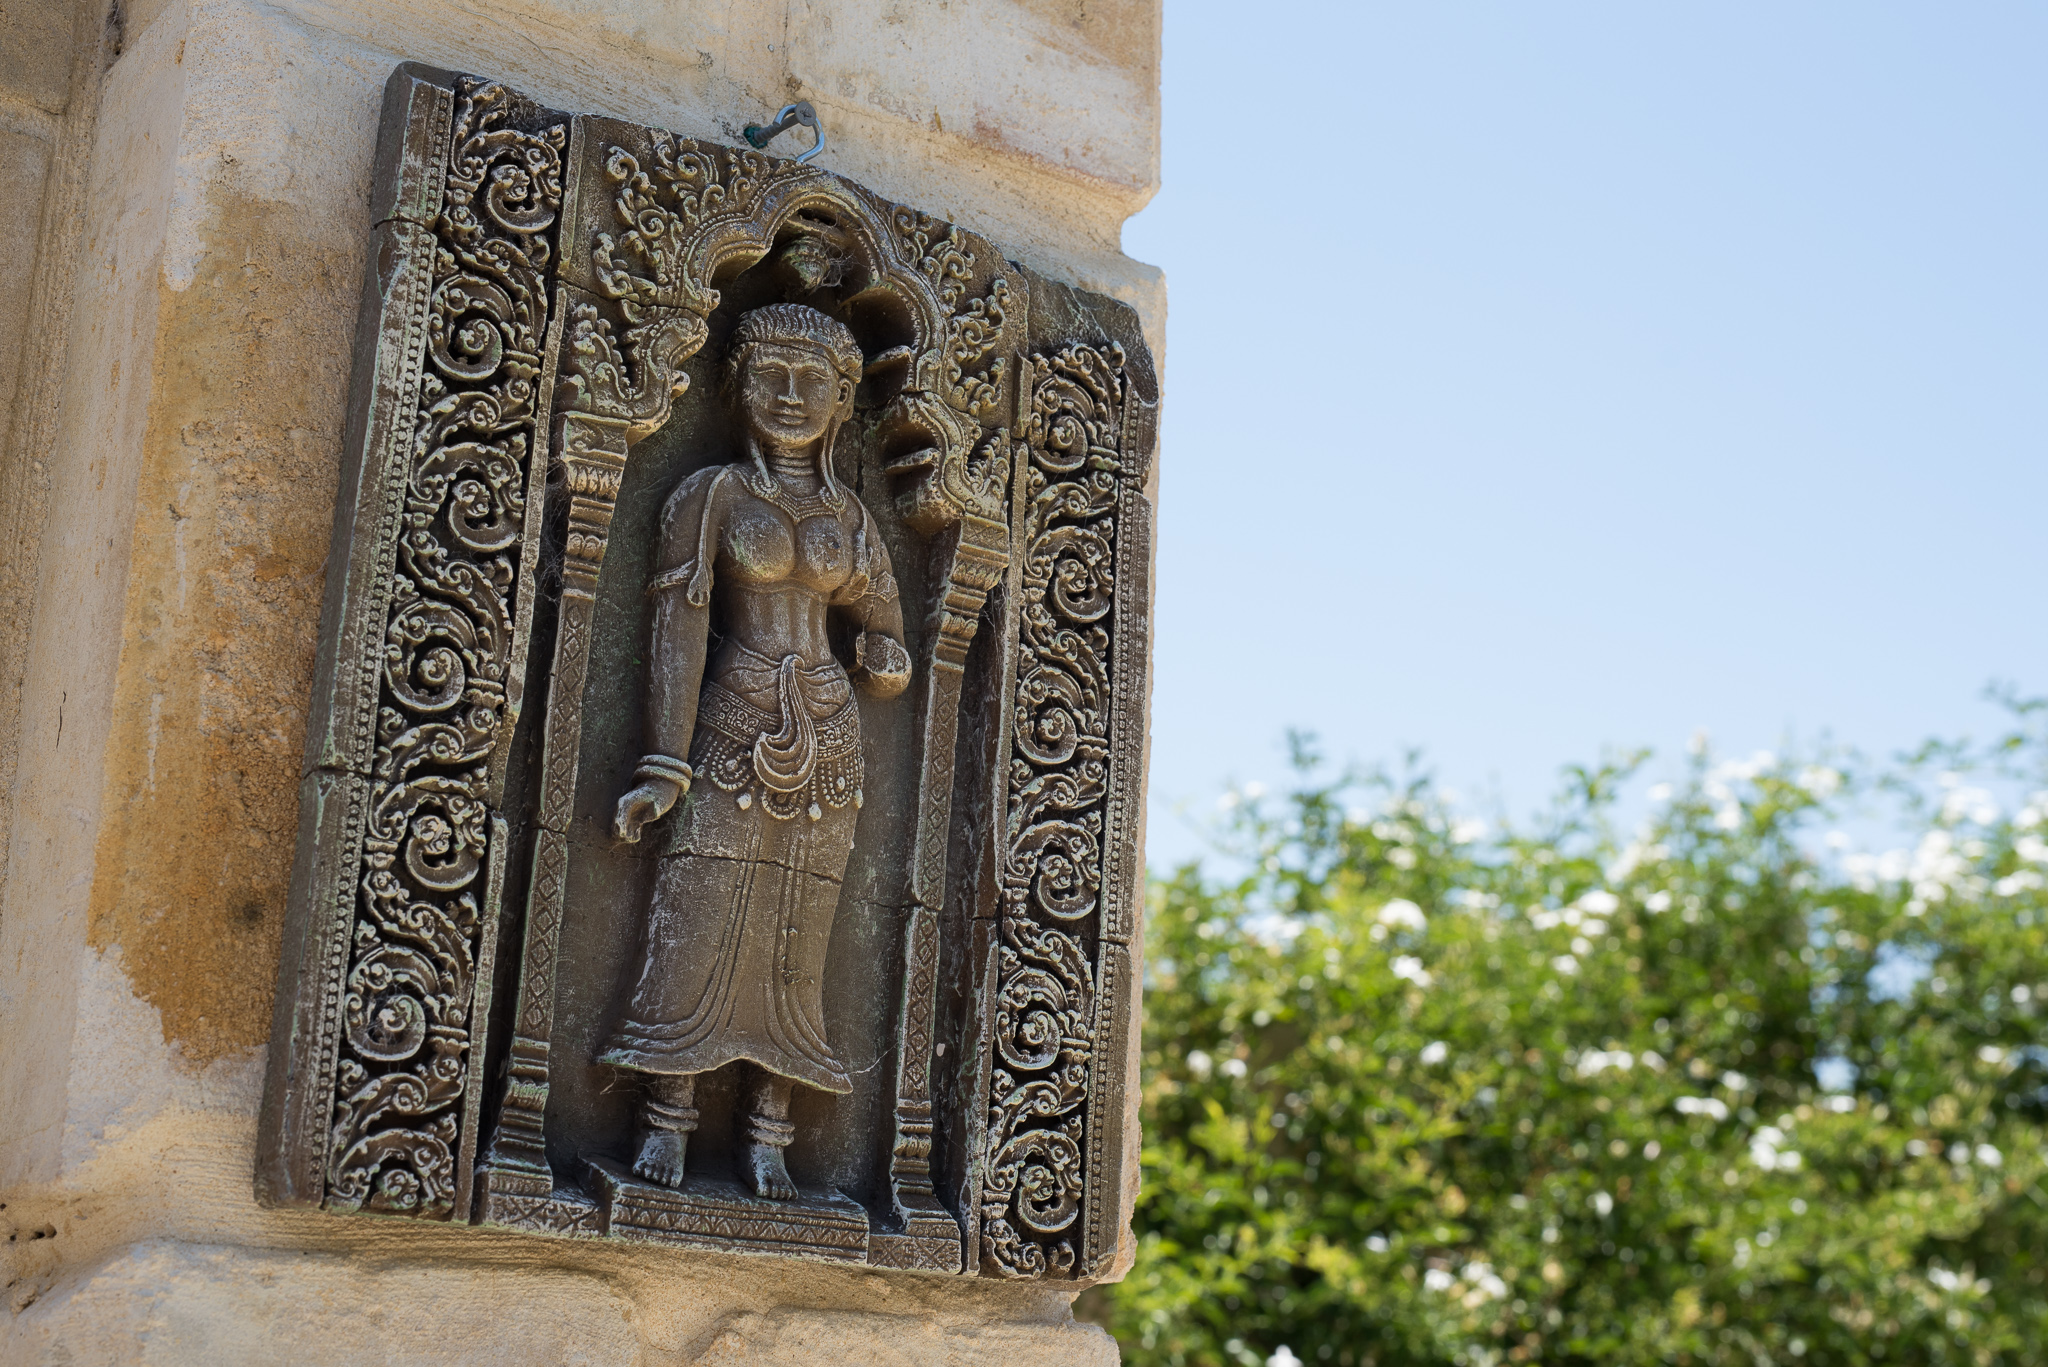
(777,572)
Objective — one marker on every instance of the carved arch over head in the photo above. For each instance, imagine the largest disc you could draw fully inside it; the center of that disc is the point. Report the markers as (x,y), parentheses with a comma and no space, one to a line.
(684,218)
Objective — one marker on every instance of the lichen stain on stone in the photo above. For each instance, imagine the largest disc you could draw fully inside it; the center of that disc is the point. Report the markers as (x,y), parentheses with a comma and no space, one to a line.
(234,511)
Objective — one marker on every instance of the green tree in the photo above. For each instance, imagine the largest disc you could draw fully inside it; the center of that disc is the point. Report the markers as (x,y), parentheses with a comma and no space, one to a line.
(1723,1092)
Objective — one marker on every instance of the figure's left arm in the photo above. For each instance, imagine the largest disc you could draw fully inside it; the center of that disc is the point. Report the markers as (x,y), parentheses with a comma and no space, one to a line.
(881,664)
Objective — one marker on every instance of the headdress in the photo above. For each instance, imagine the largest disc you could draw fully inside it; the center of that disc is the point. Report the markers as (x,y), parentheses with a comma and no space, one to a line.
(797,325)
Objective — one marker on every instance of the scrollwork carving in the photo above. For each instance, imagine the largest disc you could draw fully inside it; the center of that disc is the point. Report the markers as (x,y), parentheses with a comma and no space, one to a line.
(661,209)
(974,382)
(1043,1032)
(406,1043)
(938,250)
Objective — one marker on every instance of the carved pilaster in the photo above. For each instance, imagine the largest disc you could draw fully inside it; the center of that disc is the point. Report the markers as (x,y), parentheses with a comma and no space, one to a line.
(591,450)
(953,486)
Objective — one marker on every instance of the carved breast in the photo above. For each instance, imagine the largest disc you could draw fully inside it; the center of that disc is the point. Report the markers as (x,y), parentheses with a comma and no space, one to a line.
(824,553)
(763,548)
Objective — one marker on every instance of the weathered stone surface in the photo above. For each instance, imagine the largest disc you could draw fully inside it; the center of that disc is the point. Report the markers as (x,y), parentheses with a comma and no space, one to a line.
(36,45)
(161,1302)
(50,59)
(190,452)
(24,161)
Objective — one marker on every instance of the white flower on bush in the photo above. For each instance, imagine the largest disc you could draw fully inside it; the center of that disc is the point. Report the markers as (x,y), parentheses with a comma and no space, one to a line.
(1968,804)
(1593,1060)
(1957,1282)
(1574,916)
(1936,866)
(1485,1285)
(1199,1063)
(1767,1152)
(1603,1204)
(1820,781)
(1702,1105)
(1233,1067)
(1402,914)
(1436,1279)
(1435,1052)
(1409,967)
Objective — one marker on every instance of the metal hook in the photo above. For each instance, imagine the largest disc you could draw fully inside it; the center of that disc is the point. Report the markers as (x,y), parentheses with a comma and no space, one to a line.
(761,135)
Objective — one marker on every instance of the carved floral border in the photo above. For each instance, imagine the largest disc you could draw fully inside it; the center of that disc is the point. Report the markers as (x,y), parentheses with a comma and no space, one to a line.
(1060,903)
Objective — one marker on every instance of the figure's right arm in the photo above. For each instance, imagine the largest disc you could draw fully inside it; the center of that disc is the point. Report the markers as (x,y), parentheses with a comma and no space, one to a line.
(675,665)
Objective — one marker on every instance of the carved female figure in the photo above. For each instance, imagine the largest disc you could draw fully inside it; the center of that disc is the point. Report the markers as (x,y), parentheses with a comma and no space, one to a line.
(757,560)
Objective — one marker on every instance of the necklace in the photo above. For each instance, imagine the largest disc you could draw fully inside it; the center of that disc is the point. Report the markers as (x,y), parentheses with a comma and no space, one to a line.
(797,506)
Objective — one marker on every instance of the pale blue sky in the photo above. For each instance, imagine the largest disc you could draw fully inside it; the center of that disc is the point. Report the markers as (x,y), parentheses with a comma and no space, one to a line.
(1543,377)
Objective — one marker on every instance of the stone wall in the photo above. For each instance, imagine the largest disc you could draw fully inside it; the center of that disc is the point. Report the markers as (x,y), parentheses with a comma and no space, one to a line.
(185,254)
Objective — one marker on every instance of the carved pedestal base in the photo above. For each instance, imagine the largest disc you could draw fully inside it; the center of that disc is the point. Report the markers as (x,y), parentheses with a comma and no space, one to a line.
(928,1242)
(517,1200)
(712,1214)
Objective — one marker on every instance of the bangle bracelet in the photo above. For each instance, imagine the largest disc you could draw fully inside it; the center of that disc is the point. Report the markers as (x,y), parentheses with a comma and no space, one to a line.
(663,766)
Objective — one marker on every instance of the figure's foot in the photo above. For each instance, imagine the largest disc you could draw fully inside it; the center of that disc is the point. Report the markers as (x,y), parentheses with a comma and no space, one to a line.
(768,1174)
(661,1158)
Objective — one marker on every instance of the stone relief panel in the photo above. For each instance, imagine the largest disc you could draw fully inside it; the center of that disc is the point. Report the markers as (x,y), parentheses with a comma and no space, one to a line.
(720,822)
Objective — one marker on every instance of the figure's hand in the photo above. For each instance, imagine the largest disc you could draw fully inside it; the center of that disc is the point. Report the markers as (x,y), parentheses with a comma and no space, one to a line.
(881,666)
(650,801)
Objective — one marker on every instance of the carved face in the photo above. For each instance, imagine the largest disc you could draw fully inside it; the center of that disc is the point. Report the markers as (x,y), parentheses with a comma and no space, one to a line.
(790,393)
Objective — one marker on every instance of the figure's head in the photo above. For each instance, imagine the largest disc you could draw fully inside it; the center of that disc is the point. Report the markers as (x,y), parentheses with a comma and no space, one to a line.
(793,370)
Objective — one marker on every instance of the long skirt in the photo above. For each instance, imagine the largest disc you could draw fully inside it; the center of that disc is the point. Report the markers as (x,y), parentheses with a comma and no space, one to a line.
(741,917)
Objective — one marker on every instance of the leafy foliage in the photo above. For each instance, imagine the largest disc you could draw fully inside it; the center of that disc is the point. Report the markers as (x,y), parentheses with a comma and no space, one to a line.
(1420,1093)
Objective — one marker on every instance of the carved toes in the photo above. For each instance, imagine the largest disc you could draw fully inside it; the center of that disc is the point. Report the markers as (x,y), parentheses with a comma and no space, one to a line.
(770,1175)
(661,1160)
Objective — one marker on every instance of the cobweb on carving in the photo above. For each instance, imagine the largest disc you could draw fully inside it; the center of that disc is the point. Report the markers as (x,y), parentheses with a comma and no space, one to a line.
(447,651)
(1032,1188)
